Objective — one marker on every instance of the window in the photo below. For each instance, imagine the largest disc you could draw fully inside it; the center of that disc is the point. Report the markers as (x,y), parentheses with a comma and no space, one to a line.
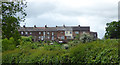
(22,33)
(84,32)
(30,32)
(48,33)
(48,37)
(62,37)
(44,33)
(76,32)
(52,33)
(39,32)
(66,32)
(26,33)
(61,32)
(42,38)
(68,37)
(70,32)
(52,37)
(95,35)
(39,37)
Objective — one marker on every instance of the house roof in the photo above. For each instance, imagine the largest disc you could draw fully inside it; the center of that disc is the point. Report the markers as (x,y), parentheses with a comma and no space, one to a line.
(58,28)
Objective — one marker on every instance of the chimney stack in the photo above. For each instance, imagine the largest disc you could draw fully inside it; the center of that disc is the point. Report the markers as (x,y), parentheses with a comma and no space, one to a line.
(45,26)
(35,26)
(56,26)
(78,25)
(24,26)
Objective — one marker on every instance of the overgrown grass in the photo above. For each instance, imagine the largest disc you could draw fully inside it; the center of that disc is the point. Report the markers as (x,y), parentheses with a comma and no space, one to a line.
(100,51)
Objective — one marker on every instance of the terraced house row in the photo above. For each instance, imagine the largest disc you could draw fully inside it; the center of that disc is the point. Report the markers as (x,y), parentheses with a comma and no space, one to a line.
(63,33)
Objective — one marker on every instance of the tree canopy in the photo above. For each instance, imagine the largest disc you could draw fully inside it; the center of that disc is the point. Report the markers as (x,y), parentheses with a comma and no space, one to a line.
(12,14)
(113,30)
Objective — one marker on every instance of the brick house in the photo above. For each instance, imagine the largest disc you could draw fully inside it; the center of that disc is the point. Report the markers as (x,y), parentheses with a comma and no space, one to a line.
(55,33)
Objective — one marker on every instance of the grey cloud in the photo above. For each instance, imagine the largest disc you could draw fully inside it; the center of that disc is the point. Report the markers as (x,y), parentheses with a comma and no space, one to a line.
(50,22)
(34,9)
(97,16)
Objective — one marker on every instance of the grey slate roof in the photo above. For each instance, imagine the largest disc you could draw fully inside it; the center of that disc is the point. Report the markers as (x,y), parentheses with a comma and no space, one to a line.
(59,28)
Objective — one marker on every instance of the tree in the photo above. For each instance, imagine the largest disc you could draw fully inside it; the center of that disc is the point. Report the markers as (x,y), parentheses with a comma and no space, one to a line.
(77,37)
(86,38)
(12,14)
(113,30)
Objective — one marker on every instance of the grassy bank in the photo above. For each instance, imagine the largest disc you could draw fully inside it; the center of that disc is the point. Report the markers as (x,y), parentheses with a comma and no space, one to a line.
(100,51)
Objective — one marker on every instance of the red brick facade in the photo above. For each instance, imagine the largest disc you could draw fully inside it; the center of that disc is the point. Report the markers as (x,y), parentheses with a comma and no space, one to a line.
(55,33)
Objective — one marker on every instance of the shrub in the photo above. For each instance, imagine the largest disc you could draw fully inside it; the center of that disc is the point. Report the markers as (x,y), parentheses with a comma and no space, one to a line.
(27,38)
(95,52)
(8,44)
(100,51)
(86,38)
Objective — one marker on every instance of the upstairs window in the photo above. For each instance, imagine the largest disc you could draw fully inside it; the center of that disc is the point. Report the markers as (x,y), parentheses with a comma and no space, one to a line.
(30,32)
(52,33)
(39,32)
(76,32)
(22,33)
(26,33)
(48,33)
(44,33)
(66,32)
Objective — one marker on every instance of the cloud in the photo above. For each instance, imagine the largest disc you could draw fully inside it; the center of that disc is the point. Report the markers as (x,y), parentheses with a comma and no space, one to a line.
(92,13)
(36,9)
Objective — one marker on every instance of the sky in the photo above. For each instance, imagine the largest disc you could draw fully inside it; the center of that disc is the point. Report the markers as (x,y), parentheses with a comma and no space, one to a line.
(93,13)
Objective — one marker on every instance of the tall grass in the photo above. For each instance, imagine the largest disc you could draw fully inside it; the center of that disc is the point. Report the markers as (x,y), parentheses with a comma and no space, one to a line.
(100,51)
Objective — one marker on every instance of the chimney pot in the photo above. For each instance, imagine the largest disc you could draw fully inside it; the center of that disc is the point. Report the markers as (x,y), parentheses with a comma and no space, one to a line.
(24,26)
(45,26)
(63,25)
(56,26)
(35,26)
(78,25)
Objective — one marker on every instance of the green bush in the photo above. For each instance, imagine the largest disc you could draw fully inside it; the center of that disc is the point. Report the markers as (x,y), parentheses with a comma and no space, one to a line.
(8,44)
(100,51)
(86,38)
(95,52)
(25,39)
